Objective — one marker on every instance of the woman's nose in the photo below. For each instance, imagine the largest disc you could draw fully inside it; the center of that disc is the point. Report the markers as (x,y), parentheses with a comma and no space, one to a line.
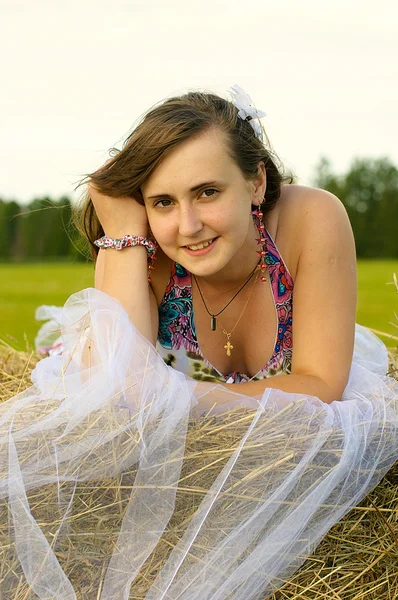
(190,223)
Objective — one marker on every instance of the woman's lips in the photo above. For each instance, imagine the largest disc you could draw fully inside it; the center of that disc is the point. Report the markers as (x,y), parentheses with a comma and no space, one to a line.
(202,250)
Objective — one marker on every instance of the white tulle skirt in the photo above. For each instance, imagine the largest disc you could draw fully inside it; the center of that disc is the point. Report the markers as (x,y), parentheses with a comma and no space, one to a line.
(298,466)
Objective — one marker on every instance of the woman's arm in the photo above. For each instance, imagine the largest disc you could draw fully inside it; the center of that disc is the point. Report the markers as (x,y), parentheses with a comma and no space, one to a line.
(308,385)
(123,274)
(324,303)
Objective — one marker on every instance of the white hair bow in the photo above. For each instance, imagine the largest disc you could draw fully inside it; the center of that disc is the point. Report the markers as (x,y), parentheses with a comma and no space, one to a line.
(247,109)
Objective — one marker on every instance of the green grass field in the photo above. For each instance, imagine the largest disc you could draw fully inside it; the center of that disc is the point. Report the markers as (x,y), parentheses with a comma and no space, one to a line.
(24,287)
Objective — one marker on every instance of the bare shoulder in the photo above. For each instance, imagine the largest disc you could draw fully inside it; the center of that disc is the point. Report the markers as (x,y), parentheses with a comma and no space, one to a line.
(300,202)
(301,213)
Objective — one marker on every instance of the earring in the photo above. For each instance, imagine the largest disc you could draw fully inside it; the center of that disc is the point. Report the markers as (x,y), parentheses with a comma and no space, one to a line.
(261,240)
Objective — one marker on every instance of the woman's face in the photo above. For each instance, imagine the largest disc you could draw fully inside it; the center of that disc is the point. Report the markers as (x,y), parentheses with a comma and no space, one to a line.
(198,194)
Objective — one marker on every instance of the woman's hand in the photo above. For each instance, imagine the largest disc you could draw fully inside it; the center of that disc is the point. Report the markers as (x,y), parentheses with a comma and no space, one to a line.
(118,215)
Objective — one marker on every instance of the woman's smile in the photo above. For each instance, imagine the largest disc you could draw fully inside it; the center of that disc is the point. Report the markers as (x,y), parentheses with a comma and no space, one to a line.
(201,248)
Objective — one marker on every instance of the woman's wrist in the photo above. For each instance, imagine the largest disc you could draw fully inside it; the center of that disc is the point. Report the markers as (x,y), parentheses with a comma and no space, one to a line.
(126,241)
(131,241)
(117,233)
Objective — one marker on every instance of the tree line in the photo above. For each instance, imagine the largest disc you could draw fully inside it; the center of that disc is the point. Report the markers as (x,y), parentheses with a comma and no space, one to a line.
(43,229)
(40,231)
(369,192)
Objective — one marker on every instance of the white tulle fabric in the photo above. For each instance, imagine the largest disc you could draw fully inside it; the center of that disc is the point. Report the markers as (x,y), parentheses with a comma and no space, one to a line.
(129,405)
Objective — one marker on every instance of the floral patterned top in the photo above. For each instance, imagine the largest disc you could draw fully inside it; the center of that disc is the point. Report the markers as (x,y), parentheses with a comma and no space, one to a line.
(177,342)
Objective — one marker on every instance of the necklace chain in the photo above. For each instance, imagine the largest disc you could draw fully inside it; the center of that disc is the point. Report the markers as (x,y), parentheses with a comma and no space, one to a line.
(213,316)
(261,267)
(228,346)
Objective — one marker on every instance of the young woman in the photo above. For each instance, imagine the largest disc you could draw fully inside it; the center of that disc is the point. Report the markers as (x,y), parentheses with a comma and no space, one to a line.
(280,270)
(251,305)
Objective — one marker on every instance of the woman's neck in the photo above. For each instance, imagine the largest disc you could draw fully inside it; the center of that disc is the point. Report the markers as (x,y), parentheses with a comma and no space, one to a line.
(235,273)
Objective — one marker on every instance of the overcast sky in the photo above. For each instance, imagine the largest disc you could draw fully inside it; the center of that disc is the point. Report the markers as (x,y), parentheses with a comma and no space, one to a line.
(75,76)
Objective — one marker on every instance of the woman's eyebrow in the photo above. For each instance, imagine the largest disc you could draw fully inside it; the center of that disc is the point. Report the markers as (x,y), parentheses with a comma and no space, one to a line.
(193,189)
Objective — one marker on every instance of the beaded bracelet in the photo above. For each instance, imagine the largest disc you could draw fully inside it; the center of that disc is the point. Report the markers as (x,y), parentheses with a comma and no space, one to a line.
(128,240)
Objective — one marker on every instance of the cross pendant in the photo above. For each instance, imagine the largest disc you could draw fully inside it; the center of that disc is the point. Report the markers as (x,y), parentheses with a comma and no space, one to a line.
(228,346)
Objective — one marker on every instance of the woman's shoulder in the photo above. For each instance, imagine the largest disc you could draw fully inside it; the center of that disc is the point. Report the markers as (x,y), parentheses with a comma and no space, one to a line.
(300,201)
(299,210)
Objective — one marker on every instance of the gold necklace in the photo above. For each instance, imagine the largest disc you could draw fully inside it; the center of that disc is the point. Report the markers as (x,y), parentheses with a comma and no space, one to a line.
(228,346)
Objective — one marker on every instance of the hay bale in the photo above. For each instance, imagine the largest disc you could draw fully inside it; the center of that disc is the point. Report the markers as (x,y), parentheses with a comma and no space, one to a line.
(357,559)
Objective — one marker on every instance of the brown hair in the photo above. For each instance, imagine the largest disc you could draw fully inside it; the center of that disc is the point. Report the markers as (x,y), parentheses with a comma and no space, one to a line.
(164,127)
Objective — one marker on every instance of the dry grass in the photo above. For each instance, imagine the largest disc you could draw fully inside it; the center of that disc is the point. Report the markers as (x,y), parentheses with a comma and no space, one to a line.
(357,559)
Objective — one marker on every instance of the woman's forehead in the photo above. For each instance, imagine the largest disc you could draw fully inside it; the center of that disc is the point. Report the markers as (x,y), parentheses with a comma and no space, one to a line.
(204,157)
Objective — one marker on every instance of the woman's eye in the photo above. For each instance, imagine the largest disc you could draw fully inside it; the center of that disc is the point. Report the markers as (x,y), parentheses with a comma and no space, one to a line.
(210,190)
(160,202)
